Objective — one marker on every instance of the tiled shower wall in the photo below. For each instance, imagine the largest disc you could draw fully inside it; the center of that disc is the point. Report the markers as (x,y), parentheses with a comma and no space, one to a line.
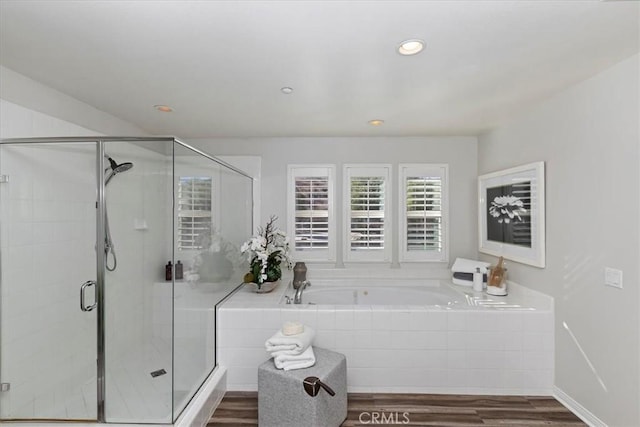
(139,208)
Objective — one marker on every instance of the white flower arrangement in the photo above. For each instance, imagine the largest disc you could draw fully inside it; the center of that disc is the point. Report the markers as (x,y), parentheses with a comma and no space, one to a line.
(267,251)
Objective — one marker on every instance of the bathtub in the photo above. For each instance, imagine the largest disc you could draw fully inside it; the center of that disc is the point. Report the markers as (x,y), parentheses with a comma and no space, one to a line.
(402,335)
(399,293)
(366,295)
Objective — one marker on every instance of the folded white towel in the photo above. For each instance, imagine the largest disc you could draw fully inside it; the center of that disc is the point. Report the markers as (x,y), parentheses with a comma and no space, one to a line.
(289,362)
(462,265)
(280,344)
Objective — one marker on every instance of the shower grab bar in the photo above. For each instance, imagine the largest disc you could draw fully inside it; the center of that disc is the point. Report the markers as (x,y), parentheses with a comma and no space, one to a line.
(83,288)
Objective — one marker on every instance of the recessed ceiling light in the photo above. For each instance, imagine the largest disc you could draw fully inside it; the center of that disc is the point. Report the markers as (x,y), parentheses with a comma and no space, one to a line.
(163,108)
(286,90)
(376,122)
(410,47)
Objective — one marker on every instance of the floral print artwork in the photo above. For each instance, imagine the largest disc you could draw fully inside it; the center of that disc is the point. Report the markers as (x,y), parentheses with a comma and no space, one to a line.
(507,208)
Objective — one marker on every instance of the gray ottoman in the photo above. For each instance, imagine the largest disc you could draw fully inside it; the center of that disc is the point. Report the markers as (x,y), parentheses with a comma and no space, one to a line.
(283,401)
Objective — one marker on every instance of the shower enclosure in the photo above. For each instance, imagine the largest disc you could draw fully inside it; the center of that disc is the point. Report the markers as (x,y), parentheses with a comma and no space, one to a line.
(90,231)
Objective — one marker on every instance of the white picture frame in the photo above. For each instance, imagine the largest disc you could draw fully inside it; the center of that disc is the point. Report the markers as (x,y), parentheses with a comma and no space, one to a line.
(511,214)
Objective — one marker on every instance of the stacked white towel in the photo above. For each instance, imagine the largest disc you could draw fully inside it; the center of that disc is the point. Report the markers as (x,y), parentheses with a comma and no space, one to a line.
(290,361)
(292,351)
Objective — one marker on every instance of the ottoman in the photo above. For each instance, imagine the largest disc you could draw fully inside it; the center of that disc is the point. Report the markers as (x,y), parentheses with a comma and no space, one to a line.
(283,401)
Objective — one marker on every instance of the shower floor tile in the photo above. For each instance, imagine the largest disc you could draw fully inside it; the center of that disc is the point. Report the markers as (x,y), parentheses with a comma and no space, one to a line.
(133,395)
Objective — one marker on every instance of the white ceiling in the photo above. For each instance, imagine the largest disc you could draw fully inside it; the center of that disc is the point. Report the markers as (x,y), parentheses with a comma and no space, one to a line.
(221,64)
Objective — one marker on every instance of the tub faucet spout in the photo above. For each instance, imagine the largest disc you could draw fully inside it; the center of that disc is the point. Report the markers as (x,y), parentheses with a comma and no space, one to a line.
(297,299)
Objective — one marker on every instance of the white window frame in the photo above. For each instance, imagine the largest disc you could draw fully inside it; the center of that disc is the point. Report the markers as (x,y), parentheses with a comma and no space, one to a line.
(367,170)
(308,170)
(416,169)
(213,172)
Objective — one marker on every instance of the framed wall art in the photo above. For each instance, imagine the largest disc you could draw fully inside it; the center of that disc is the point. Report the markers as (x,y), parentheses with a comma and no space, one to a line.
(511,214)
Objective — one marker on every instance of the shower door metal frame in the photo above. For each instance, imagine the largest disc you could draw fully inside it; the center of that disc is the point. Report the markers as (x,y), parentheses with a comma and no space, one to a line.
(100,279)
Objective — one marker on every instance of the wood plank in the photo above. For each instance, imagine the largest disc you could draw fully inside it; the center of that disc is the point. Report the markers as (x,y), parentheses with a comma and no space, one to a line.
(541,415)
(241,409)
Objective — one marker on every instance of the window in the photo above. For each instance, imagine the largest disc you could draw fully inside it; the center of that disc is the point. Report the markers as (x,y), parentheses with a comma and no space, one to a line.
(310,208)
(195,217)
(367,224)
(367,221)
(423,208)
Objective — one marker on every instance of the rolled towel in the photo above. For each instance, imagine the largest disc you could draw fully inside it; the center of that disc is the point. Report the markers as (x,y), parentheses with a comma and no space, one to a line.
(462,265)
(289,362)
(280,344)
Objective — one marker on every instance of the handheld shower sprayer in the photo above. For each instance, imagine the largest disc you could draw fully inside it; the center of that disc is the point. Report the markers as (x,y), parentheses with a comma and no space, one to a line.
(113,169)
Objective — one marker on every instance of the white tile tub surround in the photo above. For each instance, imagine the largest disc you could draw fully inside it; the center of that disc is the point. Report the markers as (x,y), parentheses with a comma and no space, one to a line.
(419,349)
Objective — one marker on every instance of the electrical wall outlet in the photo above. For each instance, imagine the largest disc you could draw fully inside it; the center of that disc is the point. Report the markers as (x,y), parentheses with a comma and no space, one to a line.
(613,277)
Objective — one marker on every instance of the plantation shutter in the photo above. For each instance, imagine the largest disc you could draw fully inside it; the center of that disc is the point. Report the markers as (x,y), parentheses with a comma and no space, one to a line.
(311,212)
(367,229)
(194,212)
(423,213)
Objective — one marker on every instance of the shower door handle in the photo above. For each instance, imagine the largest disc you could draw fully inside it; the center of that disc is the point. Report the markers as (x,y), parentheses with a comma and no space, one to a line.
(83,288)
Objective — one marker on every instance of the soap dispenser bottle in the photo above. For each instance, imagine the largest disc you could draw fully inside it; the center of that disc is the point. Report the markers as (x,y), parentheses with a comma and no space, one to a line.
(168,271)
(179,270)
(477,280)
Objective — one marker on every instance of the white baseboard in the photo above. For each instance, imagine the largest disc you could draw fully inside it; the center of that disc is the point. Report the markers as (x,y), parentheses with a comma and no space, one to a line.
(581,412)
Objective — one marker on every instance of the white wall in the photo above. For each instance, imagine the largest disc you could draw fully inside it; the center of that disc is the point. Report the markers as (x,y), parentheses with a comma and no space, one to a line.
(459,152)
(46,104)
(17,121)
(588,136)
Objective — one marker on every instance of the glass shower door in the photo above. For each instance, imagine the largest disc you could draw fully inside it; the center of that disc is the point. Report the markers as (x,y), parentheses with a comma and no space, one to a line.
(138,317)
(47,251)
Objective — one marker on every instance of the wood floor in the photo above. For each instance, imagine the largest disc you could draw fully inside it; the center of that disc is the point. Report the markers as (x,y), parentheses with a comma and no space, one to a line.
(241,409)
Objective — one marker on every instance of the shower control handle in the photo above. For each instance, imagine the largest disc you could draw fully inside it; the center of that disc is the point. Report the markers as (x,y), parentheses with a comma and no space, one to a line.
(83,288)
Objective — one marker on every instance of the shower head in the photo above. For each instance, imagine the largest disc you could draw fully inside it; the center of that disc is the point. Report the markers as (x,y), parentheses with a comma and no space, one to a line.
(122,167)
(115,168)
